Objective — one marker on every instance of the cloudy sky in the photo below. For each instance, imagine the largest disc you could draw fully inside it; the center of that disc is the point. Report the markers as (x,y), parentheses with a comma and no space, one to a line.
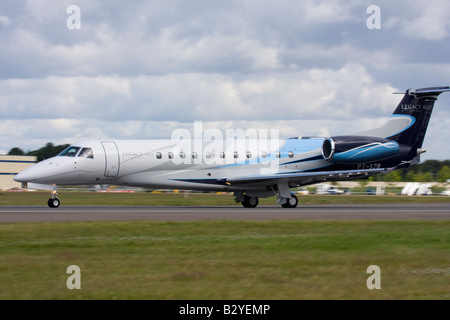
(141,69)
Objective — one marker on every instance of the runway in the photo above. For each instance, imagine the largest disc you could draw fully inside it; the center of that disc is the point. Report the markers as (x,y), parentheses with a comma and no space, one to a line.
(418,211)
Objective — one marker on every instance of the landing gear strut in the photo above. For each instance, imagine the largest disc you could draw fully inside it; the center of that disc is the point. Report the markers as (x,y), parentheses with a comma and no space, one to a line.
(54,201)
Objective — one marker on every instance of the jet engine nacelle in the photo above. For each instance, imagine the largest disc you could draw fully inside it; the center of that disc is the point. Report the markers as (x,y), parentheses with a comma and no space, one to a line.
(357,149)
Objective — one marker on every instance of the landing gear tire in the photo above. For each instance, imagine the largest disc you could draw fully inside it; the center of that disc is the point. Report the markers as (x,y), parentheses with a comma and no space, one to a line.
(291,203)
(53,202)
(250,202)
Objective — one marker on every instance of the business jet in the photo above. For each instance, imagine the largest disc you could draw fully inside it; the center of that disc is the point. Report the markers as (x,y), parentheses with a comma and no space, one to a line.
(250,168)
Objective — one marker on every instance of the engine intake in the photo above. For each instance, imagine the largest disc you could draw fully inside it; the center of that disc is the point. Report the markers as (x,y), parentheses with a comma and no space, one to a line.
(357,149)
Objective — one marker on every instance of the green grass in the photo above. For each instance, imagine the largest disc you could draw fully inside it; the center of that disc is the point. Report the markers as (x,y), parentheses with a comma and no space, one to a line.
(191,199)
(226,259)
(222,259)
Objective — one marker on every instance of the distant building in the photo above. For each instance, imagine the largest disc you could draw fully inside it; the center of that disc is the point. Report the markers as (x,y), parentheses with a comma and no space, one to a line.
(12,165)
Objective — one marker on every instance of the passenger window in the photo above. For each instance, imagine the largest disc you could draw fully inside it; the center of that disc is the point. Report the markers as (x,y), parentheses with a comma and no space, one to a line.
(291,154)
(69,152)
(207,155)
(158,155)
(86,153)
(236,155)
(182,155)
(264,154)
(170,155)
(222,155)
(277,154)
(249,154)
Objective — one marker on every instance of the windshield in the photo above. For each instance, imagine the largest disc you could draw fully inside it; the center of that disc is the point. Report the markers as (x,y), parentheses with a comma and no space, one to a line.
(86,153)
(69,152)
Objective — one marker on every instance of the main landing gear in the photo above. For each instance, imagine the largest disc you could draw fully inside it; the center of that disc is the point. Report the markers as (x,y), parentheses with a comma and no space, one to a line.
(252,201)
(54,201)
(291,202)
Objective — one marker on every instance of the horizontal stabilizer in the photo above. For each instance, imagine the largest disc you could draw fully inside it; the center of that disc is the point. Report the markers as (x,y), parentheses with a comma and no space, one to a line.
(424,91)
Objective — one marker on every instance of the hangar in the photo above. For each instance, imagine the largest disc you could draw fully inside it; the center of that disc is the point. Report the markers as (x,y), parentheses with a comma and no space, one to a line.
(12,165)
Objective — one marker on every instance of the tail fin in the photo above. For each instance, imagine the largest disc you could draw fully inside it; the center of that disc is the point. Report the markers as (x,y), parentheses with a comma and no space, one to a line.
(408,124)
(417,105)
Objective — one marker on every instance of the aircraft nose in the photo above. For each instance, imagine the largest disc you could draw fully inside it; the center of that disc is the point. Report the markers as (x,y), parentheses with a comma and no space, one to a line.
(28,175)
(36,172)
(21,176)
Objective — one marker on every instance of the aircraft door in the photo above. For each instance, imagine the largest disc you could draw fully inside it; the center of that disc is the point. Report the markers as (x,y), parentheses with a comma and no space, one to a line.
(112,163)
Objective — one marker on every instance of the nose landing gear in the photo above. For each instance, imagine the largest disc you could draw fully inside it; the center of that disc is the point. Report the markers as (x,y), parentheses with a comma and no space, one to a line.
(54,201)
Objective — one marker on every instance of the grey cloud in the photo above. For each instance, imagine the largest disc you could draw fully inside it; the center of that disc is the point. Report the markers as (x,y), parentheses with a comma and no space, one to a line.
(306,94)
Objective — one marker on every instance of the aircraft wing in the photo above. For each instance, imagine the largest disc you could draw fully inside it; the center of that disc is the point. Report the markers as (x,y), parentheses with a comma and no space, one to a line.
(304,178)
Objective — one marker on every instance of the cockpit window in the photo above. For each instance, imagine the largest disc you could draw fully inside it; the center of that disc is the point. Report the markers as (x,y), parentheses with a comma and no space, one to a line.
(69,152)
(86,153)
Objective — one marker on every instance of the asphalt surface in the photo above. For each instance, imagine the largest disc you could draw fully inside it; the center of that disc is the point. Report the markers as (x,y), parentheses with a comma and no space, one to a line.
(432,211)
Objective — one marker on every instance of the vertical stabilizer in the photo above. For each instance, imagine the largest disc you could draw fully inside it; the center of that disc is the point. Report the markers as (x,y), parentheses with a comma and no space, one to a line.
(417,105)
(409,122)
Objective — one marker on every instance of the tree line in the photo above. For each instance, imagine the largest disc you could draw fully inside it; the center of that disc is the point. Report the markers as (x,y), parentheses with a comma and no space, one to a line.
(428,171)
(47,151)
